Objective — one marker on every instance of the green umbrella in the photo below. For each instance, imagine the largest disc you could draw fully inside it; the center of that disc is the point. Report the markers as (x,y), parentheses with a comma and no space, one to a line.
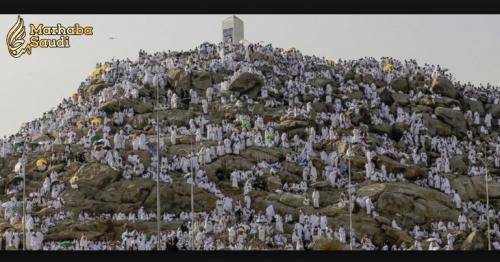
(94,139)
(66,244)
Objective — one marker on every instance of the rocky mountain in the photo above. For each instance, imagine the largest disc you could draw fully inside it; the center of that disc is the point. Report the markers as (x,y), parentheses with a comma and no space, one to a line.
(417,123)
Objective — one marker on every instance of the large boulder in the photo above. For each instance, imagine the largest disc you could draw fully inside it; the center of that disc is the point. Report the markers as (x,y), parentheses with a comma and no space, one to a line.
(87,92)
(292,200)
(457,164)
(479,184)
(201,80)
(127,191)
(95,230)
(381,129)
(176,198)
(142,108)
(397,236)
(464,187)
(179,78)
(391,165)
(435,126)
(273,183)
(494,110)
(119,105)
(444,87)
(96,176)
(415,204)
(361,224)
(454,118)
(400,84)
(397,130)
(414,172)
(289,124)
(247,84)
(259,154)
(385,96)
(401,98)
(178,117)
(446,102)
(356,94)
(474,106)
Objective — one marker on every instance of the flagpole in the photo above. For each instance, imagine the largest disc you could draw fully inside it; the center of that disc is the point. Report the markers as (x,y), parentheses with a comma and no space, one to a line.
(488,210)
(192,200)
(158,158)
(350,200)
(23,170)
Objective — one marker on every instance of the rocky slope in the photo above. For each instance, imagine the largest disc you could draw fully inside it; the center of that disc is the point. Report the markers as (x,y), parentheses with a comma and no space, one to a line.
(103,189)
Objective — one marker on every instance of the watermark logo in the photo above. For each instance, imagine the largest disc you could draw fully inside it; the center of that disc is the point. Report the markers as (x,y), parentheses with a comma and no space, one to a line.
(16,37)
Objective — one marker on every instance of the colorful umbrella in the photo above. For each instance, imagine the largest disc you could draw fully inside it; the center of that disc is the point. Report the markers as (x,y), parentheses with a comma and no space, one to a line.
(66,244)
(41,162)
(388,67)
(94,139)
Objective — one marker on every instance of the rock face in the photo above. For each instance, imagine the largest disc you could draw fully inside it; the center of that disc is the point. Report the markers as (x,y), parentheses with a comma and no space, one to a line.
(246,84)
(400,84)
(290,124)
(454,118)
(292,200)
(95,176)
(444,87)
(475,106)
(415,205)
(92,90)
(414,172)
(179,79)
(201,80)
(103,189)
(70,231)
(390,164)
(401,98)
(385,96)
(494,110)
(119,105)
(435,126)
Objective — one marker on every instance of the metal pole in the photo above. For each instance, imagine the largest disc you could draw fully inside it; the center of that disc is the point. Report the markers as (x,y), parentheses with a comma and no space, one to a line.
(192,210)
(158,246)
(24,199)
(350,202)
(488,210)
(192,201)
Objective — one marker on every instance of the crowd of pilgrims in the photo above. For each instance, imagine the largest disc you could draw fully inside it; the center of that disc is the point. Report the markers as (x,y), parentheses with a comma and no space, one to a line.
(234,224)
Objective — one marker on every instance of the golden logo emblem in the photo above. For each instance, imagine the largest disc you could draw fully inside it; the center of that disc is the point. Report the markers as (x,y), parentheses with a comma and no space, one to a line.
(15,39)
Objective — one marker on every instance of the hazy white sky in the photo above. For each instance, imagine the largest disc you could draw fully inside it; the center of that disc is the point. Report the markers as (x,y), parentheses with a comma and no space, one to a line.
(469,45)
